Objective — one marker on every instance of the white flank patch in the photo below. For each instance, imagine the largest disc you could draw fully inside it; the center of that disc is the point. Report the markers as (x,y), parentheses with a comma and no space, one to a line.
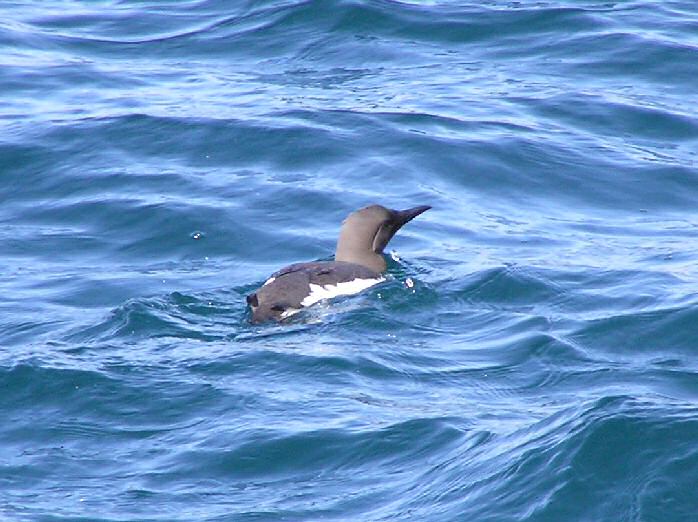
(289,312)
(319,292)
(269,281)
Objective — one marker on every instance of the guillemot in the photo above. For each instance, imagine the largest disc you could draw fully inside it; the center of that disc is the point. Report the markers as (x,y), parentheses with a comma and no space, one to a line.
(358,264)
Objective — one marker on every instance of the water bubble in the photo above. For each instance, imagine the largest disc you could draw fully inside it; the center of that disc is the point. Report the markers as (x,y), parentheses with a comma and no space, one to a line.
(197,235)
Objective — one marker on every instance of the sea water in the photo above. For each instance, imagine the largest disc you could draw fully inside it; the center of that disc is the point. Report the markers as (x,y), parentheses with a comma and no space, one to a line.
(533,353)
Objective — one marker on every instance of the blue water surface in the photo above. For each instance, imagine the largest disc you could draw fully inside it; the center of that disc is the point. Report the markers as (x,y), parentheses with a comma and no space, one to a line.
(533,353)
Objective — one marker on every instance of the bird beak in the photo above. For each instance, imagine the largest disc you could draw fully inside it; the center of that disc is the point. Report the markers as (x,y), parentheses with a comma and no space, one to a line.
(403,216)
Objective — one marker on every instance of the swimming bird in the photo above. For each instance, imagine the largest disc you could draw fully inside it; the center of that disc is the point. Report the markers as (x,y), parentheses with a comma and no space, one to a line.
(358,264)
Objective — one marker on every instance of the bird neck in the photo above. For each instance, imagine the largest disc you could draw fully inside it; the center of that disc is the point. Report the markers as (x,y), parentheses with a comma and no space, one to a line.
(352,249)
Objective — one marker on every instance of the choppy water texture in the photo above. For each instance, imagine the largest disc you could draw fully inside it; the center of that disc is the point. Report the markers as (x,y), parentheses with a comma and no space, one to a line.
(159,159)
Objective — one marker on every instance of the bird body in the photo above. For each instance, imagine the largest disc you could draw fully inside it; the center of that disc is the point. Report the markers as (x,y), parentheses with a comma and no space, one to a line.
(358,265)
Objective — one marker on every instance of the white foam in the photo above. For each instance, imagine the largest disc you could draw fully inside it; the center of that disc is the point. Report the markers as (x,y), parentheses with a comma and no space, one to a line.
(320,292)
